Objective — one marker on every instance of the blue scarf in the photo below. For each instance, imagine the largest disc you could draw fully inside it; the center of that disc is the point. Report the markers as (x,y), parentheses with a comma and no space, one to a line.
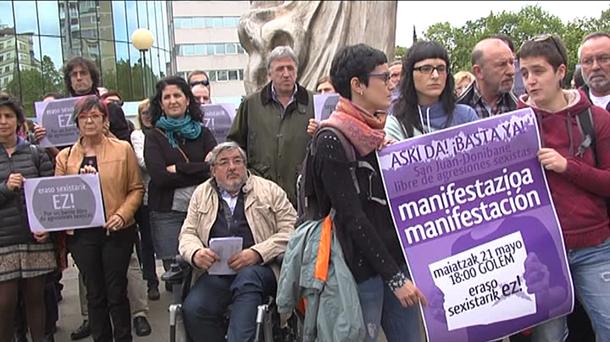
(184,127)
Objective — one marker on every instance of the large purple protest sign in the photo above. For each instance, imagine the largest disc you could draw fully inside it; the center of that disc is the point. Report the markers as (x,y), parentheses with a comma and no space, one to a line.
(474,215)
(64,202)
(324,105)
(218,118)
(55,116)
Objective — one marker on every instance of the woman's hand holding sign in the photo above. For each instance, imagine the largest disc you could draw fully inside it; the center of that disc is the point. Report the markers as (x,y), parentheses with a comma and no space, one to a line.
(14,181)
(409,295)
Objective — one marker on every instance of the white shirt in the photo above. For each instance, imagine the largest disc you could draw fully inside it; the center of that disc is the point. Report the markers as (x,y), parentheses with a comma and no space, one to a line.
(230,199)
(600,101)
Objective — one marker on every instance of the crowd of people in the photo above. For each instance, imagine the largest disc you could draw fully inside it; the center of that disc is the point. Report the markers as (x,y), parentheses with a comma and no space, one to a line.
(168,187)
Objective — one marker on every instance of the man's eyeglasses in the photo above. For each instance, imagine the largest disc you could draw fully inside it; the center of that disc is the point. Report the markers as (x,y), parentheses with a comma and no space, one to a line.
(226,162)
(601,60)
(429,69)
(384,76)
(205,83)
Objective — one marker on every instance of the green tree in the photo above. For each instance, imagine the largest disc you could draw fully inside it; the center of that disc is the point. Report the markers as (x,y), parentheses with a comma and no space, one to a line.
(400,52)
(520,26)
(31,84)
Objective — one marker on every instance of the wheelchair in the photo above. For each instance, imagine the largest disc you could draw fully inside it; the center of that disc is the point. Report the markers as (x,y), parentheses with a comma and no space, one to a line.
(268,327)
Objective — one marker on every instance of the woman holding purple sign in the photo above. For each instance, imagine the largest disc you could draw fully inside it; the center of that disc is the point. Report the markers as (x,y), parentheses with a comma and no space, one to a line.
(102,254)
(174,153)
(427,102)
(577,163)
(26,258)
(363,224)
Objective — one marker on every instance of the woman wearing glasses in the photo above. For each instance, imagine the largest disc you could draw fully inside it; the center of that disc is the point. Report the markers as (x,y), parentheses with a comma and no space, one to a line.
(427,100)
(578,172)
(174,153)
(364,227)
(426,104)
(102,254)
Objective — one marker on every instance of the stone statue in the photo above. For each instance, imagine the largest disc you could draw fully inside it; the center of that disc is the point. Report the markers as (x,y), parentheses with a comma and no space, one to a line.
(316,30)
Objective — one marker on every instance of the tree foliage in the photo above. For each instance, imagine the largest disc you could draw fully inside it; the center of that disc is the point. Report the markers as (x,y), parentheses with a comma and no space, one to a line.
(35,83)
(520,26)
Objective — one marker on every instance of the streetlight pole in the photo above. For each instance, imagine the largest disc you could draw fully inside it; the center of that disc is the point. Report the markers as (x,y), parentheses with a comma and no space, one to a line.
(142,39)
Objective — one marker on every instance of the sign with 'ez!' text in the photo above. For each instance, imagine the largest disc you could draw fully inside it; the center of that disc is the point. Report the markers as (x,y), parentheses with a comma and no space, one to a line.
(474,216)
(64,202)
(56,117)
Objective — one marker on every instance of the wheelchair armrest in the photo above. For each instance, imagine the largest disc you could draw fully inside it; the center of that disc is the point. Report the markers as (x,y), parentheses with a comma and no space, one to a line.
(179,270)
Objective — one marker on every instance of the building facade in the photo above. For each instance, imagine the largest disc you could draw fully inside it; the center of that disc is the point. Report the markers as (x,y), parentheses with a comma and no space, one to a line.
(205,34)
(37,37)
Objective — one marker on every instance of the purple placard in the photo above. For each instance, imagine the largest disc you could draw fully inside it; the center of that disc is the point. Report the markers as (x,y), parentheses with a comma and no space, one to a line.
(55,116)
(475,218)
(218,118)
(64,202)
(324,105)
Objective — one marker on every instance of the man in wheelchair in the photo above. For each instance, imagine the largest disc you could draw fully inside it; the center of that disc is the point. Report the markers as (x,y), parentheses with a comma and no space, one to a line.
(233,203)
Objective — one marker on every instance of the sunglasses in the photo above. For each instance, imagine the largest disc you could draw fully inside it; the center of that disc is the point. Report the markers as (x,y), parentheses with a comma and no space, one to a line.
(545,37)
(384,76)
(205,83)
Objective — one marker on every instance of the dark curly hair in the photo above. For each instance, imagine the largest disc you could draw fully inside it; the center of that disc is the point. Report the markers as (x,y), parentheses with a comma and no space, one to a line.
(83,63)
(406,109)
(11,102)
(354,61)
(155,110)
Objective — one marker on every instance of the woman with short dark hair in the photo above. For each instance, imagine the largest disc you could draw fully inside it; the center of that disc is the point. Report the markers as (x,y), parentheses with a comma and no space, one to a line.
(364,227)
(174,153)
(26,257)
(579,178)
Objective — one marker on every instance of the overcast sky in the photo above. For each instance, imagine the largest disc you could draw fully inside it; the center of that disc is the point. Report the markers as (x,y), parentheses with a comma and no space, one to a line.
(425,13)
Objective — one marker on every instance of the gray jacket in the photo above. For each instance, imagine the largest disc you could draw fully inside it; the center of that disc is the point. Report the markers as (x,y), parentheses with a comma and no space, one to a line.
(13,214)
(333,312)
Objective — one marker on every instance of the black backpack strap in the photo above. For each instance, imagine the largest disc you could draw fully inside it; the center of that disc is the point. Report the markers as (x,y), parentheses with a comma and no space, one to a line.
(585,123)
(350,152)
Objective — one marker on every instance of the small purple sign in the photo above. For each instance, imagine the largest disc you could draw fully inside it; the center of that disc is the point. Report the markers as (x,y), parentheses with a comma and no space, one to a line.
(324,105)
(56,117)
(64,202)
(218,118)
(474,215)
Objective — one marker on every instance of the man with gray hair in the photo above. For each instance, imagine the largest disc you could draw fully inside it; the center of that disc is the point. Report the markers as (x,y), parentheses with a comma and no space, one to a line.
(271,124)
(594,58)
(233,203)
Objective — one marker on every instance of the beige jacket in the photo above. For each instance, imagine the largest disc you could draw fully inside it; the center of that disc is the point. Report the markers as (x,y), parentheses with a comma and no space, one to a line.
(119,172)
(270,216)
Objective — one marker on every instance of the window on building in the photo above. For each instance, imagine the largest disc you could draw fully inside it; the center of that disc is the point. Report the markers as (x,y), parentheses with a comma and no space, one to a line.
(7,69)
(205,22)
(226,75)
(210,49)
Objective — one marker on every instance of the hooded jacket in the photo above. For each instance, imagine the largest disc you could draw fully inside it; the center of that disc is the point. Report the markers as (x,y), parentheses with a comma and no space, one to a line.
(433,118)
(579,194)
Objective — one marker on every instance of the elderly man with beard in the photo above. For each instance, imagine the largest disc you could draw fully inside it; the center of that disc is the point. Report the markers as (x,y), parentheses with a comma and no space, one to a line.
(494,70)
(594,58)
(233,203)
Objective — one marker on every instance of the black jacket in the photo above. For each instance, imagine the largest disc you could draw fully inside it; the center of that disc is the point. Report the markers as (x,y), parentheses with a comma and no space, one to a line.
(364,227)
(159,154)
(14,228)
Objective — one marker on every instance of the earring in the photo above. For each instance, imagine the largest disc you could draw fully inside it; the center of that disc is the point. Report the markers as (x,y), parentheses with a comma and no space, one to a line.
(361,93)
